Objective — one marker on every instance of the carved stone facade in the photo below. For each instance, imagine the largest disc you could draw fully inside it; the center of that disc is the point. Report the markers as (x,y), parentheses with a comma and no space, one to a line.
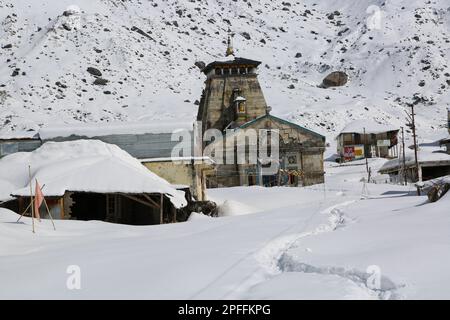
(300,161)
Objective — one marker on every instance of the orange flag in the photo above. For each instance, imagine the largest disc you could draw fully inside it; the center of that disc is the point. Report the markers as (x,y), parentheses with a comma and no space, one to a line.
(38,199)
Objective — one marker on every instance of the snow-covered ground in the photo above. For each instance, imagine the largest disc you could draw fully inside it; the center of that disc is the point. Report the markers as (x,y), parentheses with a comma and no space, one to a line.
(326,241)
(334,240)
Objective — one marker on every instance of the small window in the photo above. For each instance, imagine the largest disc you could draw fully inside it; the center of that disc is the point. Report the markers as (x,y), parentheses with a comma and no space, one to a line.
(242,70)
(241,107)
(234,71)
(348,138)
(218,71)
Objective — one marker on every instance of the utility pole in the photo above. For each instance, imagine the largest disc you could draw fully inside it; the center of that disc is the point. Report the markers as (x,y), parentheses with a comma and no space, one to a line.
(404,158)
(365,156)
(412,125)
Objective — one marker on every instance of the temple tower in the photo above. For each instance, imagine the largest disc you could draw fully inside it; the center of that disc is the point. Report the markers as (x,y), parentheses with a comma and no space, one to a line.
(232,95)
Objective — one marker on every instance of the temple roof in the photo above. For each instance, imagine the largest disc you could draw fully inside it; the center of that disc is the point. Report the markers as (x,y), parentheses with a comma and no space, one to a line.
(237,61)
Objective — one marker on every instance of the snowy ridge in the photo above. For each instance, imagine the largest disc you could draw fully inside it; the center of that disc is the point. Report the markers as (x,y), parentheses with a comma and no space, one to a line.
(146,51)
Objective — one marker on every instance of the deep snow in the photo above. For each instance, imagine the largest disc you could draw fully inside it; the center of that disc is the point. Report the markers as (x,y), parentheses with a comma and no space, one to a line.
(313,242)
(323,241)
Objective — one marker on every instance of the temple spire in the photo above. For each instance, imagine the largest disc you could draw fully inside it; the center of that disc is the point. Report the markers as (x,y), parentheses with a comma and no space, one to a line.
(230,50)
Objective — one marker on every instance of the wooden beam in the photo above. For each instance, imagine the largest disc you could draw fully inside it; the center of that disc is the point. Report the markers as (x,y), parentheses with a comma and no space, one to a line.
(61,207)
(161,212)
(174,214)
(151,200)
(138,200)
(49,213)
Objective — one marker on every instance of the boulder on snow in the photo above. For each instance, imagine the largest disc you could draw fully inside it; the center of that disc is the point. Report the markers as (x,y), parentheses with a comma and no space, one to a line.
(246,35)
(94,71)
(200,64)
(101,82)
(71,10)
(335,79)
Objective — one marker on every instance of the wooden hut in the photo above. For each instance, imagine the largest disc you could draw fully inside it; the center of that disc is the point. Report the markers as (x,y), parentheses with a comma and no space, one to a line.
(92,180)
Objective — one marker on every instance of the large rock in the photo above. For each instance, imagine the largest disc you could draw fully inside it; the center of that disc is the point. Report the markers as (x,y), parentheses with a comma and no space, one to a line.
(335,79)
(246,35)
(200,64)
(94,71)
(101,82)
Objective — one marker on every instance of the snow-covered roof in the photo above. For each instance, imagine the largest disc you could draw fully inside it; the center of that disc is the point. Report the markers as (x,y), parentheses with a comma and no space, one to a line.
(426,156)
(100,129)
(83,166)
(19,135)
(5,190)
(367,126)
(239,98)
(445,140)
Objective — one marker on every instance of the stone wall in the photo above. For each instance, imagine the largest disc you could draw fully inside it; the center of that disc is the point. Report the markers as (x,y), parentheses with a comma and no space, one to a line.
(190,175)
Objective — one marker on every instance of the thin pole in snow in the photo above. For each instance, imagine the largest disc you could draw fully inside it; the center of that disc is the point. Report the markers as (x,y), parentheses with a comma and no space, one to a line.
(404,158)
(48,210)
(31,198)
(413,127)
(365,156)
(161,209)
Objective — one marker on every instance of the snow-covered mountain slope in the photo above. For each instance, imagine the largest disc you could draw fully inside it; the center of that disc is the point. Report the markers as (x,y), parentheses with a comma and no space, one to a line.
(391,51)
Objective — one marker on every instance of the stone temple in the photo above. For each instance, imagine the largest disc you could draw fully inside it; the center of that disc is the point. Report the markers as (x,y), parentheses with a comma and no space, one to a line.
(233,102)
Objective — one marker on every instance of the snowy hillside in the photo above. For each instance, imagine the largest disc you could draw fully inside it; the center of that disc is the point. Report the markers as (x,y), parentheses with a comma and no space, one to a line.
(145,52)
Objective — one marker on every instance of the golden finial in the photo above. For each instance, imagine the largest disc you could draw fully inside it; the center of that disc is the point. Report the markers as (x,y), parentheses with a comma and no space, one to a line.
(230,50)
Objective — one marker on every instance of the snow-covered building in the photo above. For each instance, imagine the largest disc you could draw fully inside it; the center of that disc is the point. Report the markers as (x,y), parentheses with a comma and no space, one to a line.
(151,142)
(18,142)
(446,141)
(90,180)
(367,139)
(184,172)
(141,140)
(433,163)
